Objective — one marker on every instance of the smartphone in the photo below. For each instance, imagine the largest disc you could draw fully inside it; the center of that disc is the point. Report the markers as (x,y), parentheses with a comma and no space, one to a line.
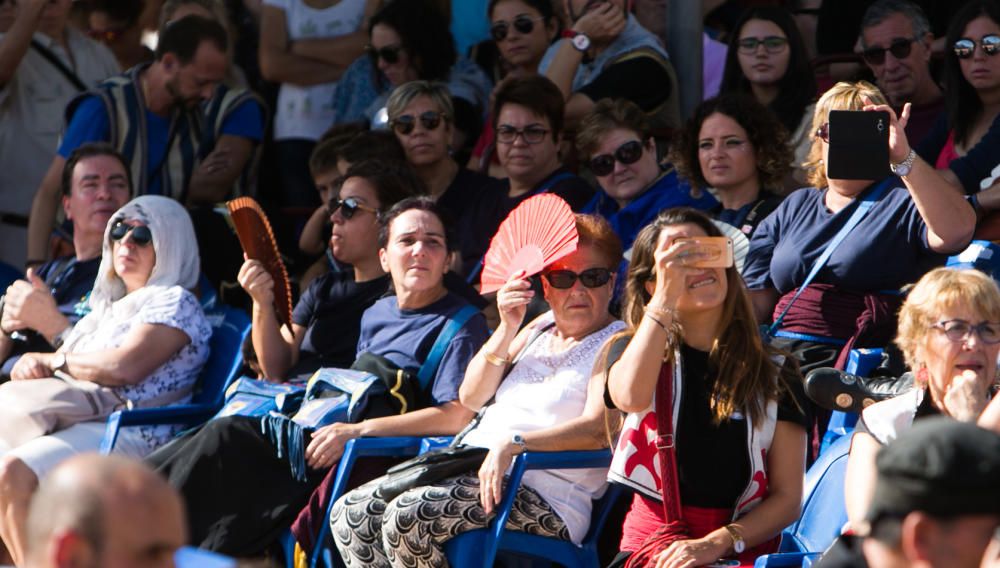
(859,145)
(710,252)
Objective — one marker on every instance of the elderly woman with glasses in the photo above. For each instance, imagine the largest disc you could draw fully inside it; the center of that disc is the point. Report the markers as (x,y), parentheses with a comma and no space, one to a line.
(949,332)
(903,225)
(145,337)
(541,392)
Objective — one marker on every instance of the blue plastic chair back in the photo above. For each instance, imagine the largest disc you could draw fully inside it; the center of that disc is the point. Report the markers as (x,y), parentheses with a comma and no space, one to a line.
(230,327)
(981,255)
(860,362)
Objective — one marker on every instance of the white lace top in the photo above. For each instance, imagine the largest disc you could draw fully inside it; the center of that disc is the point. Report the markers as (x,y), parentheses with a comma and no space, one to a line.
(544,389)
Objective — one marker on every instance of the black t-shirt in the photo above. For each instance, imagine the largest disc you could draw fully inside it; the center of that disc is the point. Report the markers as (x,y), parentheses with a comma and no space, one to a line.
(641,80)
(712,461)
(330,309)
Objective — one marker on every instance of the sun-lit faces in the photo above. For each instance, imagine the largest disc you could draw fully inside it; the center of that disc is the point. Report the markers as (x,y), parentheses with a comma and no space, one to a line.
(416,254)
(704,288)
(521,160)
(763,65)
(727,159)
(99,188)
(355,239)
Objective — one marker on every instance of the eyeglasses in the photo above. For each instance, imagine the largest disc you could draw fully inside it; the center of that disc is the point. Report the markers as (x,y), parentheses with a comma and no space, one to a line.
(141,235)
(628,153)
(590,278)
(823,132)
(958,331)
(966,48)
(899,48)
(348,207)
(389,53)
(523,24)
(107,36)
(772,44)
(406,123)
(507,134)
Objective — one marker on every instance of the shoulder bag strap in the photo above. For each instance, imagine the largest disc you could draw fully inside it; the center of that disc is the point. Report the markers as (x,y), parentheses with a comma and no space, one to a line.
(665,443)
(867,202)
(426,373)
(58,64)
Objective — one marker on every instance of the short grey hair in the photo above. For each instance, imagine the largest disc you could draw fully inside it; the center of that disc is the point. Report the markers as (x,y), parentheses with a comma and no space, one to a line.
(404,94)
(881,10)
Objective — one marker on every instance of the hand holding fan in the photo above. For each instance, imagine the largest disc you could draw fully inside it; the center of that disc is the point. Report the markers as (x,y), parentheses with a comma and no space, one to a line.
(538,232)
(257,240)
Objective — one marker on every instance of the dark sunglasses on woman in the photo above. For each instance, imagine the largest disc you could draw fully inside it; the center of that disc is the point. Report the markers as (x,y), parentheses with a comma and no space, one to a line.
(523,24)
(348,207)
(966,48)
(590,278)
(900,48)
(406,123)
(628,153)
(141,235)
(389,53)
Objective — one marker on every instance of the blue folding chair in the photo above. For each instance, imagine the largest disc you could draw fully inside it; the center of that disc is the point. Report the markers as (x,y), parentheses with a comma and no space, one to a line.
(823,511)
(230,328)
(479,548)
(860,362)
(191,557)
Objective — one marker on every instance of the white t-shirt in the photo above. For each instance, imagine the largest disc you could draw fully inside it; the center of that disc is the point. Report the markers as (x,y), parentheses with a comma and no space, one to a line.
(545,389)
(307,112)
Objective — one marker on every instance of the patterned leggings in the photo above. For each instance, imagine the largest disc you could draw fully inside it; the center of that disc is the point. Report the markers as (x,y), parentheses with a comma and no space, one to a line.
(411,530)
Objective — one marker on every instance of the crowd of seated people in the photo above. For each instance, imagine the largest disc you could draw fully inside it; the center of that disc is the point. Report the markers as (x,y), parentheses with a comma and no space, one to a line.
(387,160)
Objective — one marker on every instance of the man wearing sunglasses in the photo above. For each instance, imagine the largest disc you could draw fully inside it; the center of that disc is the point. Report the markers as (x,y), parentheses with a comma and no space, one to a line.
(896,46)
(39,311)
(44,63)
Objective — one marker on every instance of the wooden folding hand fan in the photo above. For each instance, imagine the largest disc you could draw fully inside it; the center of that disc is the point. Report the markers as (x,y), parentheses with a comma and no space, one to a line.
(538,232)
(258,242)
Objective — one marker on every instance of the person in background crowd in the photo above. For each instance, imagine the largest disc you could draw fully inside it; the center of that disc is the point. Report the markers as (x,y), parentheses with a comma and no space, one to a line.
(115,23)
(43,308)
(896,43)
(44,63)
(768,59)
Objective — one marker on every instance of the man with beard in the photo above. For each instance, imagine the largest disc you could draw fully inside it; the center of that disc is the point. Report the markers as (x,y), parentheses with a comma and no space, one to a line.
(153,116)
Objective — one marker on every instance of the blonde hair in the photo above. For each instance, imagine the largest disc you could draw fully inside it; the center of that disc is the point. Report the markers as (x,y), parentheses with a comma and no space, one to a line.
(939,291)
(406,93)
(843,96)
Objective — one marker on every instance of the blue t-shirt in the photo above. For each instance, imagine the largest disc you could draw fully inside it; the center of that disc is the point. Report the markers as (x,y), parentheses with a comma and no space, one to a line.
(90,124)
(406,337)
(886,250)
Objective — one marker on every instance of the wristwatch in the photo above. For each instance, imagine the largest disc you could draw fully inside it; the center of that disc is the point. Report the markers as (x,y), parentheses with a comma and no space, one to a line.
(903,168)
(580,41)
(739,545)
(518,440)
(59,363)
(60,338)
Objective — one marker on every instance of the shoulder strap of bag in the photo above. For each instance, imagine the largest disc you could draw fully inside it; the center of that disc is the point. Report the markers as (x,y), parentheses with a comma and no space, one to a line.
(867,202)
(59,65)
(665,443)
(430,366)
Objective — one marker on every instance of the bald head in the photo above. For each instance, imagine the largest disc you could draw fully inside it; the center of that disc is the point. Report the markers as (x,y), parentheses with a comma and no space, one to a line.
(104,511)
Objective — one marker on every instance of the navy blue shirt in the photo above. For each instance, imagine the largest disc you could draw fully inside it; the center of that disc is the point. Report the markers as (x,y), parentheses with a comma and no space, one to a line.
(406,337)
(886,250)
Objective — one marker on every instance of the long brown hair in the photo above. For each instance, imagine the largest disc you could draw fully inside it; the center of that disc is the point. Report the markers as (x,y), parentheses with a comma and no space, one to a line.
(747,375)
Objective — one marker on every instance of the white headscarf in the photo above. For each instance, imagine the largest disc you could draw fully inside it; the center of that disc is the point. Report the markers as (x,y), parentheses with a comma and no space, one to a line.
(177,260)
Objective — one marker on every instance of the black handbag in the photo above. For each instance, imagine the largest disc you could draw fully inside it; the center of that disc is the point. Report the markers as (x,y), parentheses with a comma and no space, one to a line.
(428,468)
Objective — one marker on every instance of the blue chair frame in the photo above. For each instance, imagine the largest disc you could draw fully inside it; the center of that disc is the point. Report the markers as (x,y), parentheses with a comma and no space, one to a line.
(230,328)
(480,547)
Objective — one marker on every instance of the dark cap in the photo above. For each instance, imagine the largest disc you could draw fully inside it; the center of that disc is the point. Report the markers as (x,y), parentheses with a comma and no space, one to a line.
(940,466)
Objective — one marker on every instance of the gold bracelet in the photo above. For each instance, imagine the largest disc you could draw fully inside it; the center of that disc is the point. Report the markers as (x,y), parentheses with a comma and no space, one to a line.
(496,360)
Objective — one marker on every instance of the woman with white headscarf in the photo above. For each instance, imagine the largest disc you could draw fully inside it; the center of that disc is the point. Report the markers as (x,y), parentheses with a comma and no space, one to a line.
(145,337)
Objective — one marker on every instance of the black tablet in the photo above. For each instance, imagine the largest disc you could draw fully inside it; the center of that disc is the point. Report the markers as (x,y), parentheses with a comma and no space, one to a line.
(859,145)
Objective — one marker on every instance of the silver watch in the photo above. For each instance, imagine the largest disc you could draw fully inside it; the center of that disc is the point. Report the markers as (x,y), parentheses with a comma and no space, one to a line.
(518,440)
(903,168)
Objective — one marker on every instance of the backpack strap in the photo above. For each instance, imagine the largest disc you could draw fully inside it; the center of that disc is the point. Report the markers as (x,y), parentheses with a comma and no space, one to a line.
(427,371)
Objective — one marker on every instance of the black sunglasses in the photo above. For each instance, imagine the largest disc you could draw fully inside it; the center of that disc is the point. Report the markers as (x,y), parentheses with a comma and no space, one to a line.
(823,132)
(348,207)
(900,48)
(405,124)
(141,235)
(389,53)
(628,153)
(523,24)
(591,278)
(966,48)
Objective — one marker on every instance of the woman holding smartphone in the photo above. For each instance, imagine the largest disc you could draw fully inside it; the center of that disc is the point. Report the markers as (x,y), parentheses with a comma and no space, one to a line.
(738,430)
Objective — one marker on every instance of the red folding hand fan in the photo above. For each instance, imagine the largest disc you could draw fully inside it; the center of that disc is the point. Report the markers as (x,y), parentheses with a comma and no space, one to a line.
(257,240)
(538,232)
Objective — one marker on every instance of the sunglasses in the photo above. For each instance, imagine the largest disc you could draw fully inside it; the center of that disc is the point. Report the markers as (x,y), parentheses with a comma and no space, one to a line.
(507,134)
(628,153)
(406,123)
(966,48)
(348,207)
(823,132)
(523,24)
(389,53)
(958,331)
(141,235)
(900,48)
(590,278)
(772,44)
